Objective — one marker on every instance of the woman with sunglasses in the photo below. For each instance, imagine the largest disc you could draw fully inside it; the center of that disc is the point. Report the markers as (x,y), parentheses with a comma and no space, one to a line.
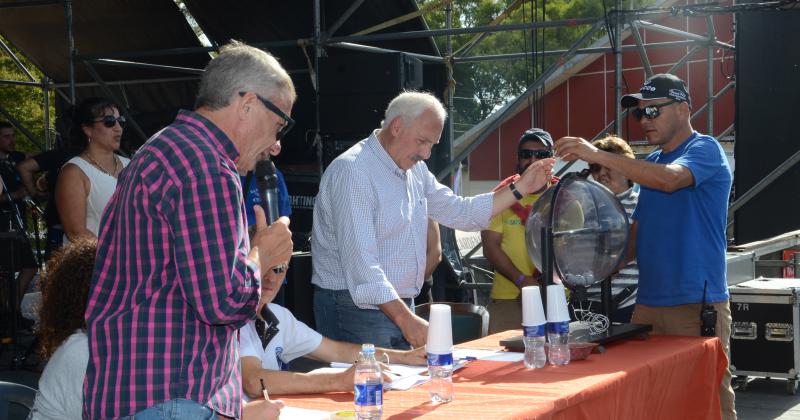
(87,181)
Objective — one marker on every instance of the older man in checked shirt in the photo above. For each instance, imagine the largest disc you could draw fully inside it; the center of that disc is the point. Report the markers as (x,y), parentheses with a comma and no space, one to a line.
(370,225)
(175,276)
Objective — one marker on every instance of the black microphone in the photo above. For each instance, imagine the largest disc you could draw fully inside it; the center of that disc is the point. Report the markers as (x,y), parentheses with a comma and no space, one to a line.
(267,181)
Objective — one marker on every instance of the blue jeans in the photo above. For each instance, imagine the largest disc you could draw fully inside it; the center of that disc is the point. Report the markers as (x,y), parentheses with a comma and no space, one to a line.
(177,409)
(338,318)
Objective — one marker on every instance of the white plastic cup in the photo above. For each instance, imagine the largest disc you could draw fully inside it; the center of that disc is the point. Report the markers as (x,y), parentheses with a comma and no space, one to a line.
(532,310)
(557,310)
(440,330)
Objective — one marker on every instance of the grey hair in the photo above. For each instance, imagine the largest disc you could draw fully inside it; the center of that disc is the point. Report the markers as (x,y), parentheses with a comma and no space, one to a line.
(242,68)
(411,104)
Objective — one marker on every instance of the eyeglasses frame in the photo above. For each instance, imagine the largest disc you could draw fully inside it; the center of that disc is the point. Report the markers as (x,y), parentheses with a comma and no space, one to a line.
(643,112)
(277,111)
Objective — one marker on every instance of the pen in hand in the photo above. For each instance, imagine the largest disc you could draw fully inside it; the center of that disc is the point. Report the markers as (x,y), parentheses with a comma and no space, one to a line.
(264,389)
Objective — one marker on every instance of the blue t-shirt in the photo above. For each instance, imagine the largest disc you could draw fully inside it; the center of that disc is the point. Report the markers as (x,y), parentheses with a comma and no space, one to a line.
(252,197)
(680,242)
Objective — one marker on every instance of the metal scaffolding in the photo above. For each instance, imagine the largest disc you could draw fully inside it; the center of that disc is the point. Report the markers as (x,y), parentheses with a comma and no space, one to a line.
(624,22)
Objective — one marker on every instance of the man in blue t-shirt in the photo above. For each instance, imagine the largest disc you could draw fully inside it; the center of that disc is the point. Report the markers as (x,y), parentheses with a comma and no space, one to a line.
(678,234)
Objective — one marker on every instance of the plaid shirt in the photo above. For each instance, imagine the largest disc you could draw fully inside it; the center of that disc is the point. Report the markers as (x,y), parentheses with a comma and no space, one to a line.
(172,283)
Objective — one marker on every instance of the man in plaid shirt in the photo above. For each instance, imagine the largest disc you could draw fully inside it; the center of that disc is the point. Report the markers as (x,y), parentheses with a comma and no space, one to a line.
(175,276)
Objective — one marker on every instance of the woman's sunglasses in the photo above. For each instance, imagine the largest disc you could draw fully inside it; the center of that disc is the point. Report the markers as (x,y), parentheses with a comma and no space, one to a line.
(110,120)
(538,154)
(650,112)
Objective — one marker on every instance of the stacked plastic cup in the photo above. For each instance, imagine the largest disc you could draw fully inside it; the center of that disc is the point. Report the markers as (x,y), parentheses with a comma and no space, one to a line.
(440,353)
(557,325)
(533,327)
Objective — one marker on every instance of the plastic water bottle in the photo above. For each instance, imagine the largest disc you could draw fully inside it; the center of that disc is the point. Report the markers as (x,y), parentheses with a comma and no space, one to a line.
(558,336)
(535,356)
(368,385)
(440,368)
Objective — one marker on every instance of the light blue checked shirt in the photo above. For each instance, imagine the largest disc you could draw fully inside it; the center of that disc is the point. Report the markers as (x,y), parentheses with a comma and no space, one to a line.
(370,224)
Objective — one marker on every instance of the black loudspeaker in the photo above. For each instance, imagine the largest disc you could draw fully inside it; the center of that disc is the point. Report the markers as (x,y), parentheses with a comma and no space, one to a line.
(370,73)
(354,89)
(767,100)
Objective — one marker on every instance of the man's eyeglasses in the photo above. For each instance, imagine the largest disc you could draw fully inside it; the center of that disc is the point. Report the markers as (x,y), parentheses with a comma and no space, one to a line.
(650,112)
(538,154)
(270,106)
(110,120)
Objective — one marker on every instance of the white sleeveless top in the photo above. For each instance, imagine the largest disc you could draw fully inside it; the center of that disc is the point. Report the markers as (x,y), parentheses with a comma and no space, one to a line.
(101,187)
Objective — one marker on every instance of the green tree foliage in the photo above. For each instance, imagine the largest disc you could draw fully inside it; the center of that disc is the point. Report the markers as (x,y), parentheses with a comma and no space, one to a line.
(24,103)
(482,87)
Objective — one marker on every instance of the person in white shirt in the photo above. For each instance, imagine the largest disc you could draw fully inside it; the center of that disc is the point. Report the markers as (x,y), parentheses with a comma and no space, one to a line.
(62,332)
(370,225)
(266,348)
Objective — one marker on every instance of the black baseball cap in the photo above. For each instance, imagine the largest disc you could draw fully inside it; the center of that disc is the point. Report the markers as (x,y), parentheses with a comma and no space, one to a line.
(536,134)
(660,86)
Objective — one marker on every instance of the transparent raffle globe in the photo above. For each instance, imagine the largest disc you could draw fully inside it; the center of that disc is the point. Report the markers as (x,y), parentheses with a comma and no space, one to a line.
(590,230)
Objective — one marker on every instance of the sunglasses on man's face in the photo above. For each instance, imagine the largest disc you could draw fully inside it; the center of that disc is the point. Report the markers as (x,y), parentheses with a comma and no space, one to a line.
(650,112)
(289,122)
(538,154)
(110,120)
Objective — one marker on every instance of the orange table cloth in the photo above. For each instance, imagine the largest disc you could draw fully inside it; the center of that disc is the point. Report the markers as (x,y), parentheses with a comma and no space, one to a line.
(663,377)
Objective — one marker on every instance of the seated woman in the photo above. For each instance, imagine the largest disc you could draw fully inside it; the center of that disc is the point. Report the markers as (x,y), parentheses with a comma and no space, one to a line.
(62,332)
(87,181)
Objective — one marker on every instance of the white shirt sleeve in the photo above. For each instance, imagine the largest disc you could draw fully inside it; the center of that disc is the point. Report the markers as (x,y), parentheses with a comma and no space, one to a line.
(463,213)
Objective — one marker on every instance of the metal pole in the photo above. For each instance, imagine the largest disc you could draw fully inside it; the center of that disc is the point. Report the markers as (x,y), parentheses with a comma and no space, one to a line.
(617,69)
(595,50)
(343,18)
(461,31)
(677,32)
(70,50)
(146,65)
(710,70)
(28,3)
(19,83)
(648,70)
(129,82)
(16,123)
(46,112)
(16,60)
(448,150)
(369,48)
(763,183)
(317,54)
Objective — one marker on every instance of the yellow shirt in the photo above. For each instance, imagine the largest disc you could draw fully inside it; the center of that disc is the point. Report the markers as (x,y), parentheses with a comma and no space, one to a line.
(510,226)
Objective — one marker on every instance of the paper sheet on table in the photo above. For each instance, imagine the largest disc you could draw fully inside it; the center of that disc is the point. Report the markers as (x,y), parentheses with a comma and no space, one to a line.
(493,355)
(296,413)
(404,377)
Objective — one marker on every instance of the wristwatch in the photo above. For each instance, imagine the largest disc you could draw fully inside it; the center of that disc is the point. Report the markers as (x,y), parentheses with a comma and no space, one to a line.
(519,280)
(515,191)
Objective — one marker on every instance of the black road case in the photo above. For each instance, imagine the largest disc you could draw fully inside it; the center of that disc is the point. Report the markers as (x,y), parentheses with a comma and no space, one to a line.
(764,334)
